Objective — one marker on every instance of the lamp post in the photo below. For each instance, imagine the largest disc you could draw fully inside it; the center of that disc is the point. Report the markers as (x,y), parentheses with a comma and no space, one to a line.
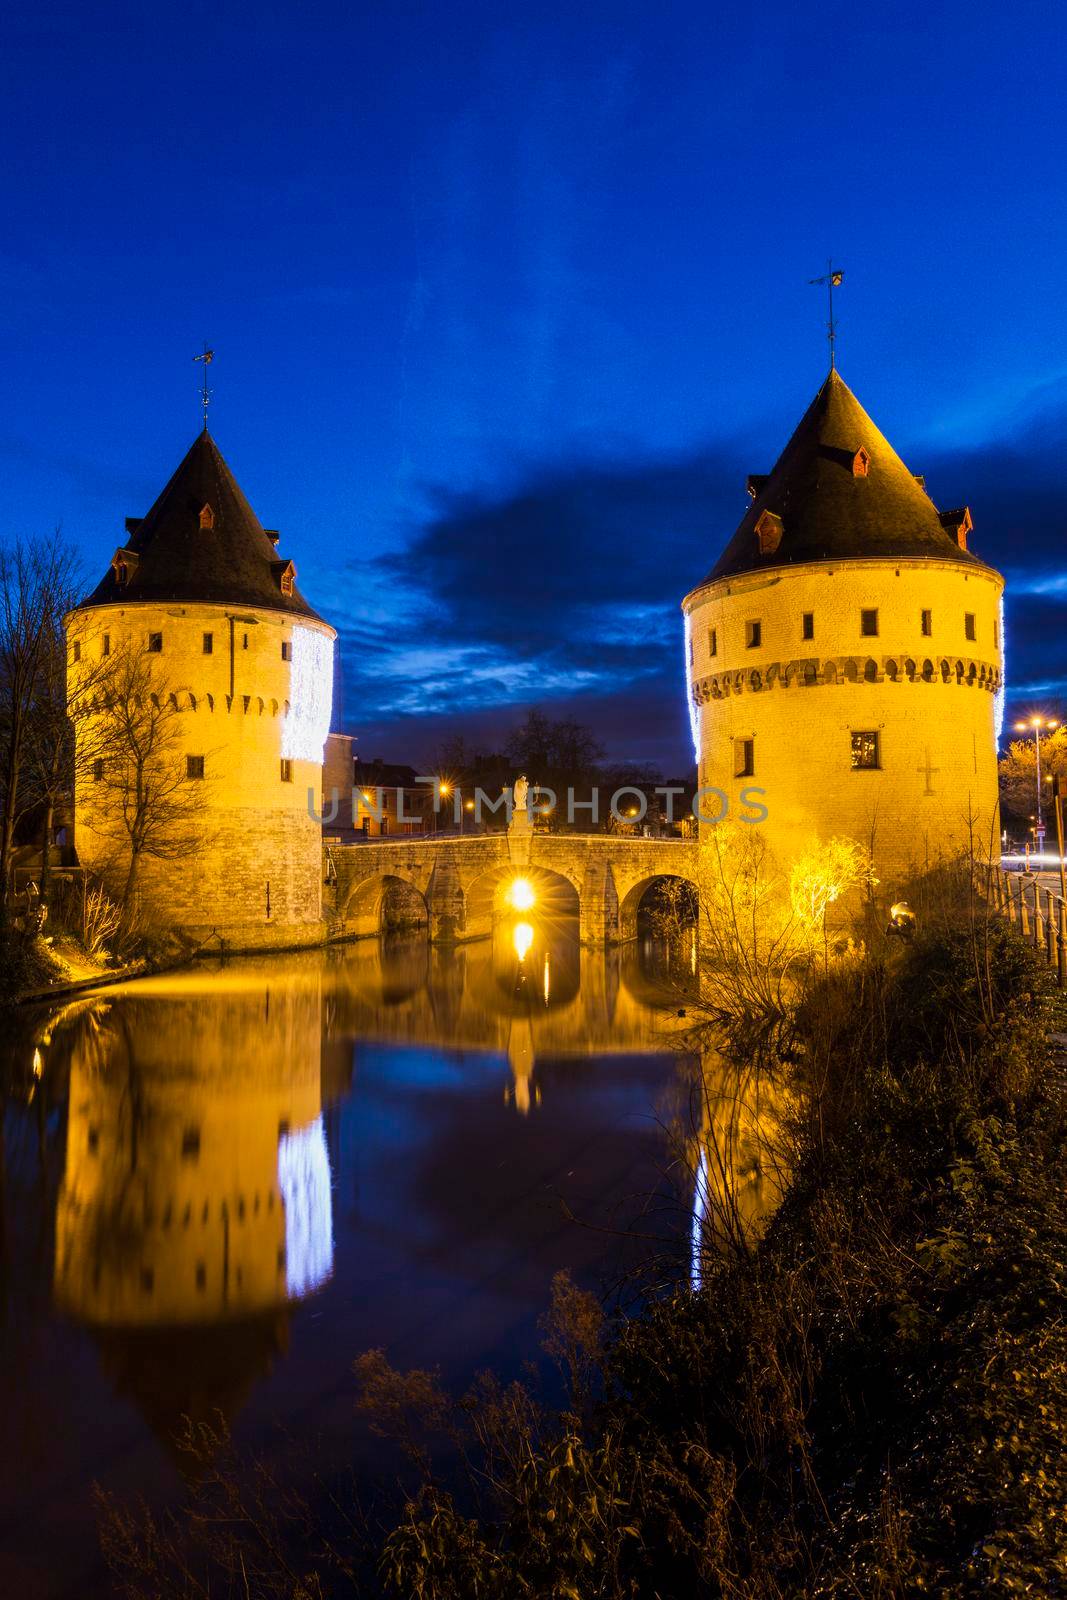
(1037,723)
(443,790)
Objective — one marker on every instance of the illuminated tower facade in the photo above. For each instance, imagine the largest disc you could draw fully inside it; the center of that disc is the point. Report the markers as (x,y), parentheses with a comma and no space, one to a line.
(845,655)
(199,597)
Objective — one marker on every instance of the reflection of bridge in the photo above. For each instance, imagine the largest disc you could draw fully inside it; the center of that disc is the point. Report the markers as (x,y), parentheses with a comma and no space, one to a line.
(552,1002)
(457,886)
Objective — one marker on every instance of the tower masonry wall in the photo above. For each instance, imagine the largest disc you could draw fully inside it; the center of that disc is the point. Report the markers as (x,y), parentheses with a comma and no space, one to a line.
(886,737)
(171,1210)
(250,691)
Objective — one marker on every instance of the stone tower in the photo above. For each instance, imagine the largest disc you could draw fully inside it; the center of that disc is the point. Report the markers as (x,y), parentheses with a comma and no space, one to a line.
(198,602)
(844,655)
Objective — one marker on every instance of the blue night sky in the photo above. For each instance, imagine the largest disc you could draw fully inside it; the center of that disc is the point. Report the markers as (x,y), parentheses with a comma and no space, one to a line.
(507,301)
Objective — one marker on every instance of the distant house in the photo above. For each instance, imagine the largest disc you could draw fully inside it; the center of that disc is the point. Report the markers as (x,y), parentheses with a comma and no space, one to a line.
(374,798)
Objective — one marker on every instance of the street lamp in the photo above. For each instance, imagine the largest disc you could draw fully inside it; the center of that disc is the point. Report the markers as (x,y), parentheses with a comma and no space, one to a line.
(443,789)
(1037,723)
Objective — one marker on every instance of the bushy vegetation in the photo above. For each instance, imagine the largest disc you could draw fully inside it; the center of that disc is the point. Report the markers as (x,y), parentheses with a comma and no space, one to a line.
(872,1401)
(26,964)
(869,1400)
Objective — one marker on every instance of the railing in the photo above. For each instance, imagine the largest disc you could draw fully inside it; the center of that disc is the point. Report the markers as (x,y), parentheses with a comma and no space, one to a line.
(1038,912)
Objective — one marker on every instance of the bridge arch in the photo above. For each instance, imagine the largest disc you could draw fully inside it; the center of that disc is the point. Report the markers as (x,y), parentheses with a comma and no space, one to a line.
(489,897)
(382,903)
(670,896)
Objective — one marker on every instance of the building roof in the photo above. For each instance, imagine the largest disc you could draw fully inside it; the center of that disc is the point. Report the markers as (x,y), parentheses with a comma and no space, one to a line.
(194,1370)
(201,541)
(824,501)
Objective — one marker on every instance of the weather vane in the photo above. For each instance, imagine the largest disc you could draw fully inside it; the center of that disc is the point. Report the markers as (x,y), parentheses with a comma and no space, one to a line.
(832,279)
(205,393)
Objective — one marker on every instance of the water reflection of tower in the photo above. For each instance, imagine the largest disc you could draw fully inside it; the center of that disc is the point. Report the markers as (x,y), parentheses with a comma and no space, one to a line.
(195,1204)
(739,1158)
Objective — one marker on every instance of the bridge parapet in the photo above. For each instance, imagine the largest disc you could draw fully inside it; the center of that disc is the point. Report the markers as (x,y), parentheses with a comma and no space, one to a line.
(459,881)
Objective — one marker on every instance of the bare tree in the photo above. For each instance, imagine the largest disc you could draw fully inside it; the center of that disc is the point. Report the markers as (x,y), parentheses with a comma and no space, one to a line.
(54,760)
(37,578)
(143,802)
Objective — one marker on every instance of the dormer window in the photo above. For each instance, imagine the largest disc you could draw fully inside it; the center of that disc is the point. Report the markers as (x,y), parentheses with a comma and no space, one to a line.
(861,464)
(285,572)
(123,565)
(957,524)
(768,532)
(207,518)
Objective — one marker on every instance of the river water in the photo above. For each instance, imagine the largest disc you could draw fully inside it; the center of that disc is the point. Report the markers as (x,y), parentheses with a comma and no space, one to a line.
(221,1185)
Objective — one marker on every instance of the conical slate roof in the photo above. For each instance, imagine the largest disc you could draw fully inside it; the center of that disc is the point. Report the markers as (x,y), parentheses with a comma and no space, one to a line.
(183,552)
(825,503)
(195,1371)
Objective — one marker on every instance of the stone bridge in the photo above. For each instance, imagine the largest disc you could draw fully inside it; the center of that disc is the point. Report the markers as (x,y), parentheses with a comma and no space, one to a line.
(457,887)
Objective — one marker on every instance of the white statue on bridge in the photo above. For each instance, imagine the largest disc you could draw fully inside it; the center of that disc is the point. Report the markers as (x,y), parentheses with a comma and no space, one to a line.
(521,790)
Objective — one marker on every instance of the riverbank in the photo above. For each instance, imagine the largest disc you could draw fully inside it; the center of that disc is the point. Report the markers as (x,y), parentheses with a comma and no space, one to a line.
(870,1398)
(35,970)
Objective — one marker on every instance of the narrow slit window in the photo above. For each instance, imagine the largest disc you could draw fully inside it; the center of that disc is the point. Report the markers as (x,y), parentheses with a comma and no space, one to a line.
(287,650)
(744,758)
(866,751)
(105,645)
(155,643)
(98,771)
(808,625)
(713,642)
(869,624)
(927,623)
(209,643)
(194,766)
(968,625)
(76,651)
(753,635)
(287,770)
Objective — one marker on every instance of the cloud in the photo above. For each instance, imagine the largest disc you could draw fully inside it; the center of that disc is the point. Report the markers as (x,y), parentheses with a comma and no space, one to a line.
(562,589)
(1016,486)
